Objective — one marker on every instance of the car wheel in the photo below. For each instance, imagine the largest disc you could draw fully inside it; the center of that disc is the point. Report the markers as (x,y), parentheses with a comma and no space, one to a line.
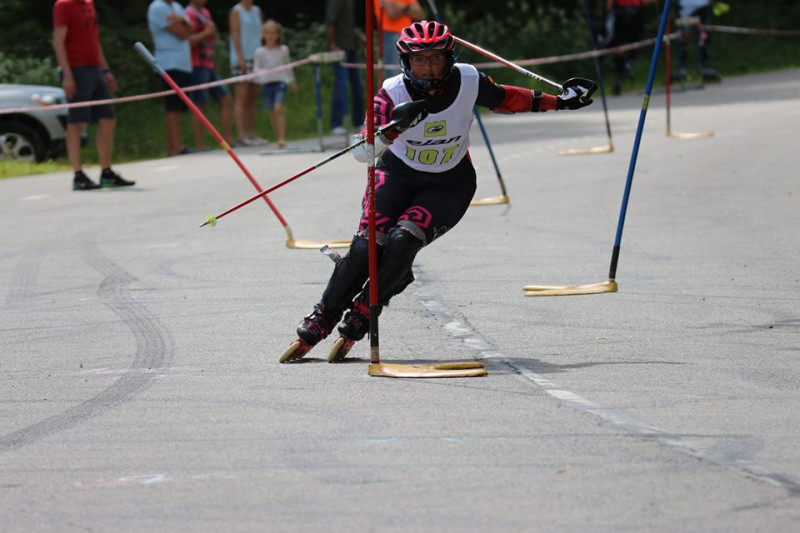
(20,142)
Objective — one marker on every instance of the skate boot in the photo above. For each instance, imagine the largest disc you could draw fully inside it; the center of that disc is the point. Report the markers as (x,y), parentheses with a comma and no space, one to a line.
(353,328)
(311,330)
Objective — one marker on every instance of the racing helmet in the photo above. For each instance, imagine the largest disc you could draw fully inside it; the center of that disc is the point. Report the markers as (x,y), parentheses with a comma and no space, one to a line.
(421,36)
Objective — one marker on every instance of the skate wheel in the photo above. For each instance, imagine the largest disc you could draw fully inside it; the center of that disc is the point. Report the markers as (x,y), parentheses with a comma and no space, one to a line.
(340,349)
(295,351)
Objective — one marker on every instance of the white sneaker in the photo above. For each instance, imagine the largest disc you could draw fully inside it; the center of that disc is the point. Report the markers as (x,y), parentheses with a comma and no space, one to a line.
(255,140)
(338,130)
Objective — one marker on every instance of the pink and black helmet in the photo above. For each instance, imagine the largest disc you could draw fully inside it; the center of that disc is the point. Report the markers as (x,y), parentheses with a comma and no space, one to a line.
(421,36)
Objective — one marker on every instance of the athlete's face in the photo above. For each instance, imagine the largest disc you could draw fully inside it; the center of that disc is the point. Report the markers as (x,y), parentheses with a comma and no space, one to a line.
(428,64)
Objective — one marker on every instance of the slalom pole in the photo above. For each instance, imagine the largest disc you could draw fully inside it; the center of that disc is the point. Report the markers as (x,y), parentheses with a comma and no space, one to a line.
(503,198)
(612,273)
(374,344)
(508,63)
(212,220)
(611,284)
(599,71)
(145,53)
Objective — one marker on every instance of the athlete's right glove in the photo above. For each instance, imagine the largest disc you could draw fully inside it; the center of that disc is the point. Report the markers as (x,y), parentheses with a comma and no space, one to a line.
(577,93)
(407,115)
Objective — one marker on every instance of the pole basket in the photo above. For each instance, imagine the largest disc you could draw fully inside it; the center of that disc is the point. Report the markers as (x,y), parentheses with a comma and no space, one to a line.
(570,290)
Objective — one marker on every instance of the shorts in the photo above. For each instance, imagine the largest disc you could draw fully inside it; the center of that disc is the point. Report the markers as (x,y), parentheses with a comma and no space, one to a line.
(201,75)
(273,93)
(90,84)
(173,102)
(236,71)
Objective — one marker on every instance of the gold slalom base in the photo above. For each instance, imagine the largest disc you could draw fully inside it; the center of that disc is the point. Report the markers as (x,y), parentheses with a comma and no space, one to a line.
(690,134)
(491,200)
(440,370)
(303,244)
(587,151)
(570,290)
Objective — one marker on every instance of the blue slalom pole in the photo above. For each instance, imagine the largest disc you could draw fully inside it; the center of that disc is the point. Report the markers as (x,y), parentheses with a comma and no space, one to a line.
(438,18)
(645,104)
(597,69)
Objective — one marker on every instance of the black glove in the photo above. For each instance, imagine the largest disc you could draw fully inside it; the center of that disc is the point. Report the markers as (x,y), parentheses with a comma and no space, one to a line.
(408,114)
(577,93)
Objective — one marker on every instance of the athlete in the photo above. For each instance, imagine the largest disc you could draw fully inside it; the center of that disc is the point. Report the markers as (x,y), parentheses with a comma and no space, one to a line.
(424,177)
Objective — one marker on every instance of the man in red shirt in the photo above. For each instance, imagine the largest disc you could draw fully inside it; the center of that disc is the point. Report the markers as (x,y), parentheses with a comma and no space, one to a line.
(86,76)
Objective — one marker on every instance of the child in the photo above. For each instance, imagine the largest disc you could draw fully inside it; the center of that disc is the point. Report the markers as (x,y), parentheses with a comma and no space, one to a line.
(269,56)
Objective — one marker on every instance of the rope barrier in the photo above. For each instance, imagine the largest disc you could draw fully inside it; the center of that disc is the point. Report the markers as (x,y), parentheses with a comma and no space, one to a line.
(332,57)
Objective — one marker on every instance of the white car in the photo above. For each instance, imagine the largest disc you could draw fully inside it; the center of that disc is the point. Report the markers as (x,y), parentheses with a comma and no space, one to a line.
(32,135)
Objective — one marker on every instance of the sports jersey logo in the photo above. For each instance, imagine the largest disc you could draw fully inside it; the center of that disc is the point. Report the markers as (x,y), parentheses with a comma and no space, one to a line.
(436,129)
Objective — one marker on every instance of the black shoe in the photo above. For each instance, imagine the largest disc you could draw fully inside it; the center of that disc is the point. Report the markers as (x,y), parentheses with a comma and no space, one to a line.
(317,325)
(356,323)
(109,179)
(81,182)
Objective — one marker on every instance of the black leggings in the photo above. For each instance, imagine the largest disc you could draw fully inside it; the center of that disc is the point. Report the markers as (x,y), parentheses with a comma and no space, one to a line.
(412,210)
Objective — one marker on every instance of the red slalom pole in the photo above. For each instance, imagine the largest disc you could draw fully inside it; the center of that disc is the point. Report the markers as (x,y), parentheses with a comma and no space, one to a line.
(145,53)
(375,355)
(212,220)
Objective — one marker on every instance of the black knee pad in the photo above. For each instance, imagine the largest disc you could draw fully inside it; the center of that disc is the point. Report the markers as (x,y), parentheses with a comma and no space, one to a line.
(359,251)
(402,245)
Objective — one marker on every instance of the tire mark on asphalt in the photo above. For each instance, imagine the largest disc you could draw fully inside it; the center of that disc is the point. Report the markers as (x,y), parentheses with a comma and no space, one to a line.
(154,345)
(706,449)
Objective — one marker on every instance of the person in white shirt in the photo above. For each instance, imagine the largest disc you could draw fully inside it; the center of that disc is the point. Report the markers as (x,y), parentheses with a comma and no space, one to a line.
(271,55)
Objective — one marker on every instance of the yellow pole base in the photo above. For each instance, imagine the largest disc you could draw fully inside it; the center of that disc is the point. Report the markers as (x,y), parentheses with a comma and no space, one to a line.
(491,200)
(690,134)
(439,370)
(570,290)
(303,244)
(587,151)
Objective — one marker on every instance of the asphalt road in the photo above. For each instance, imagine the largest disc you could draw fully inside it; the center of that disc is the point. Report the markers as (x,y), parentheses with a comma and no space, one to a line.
(140,387)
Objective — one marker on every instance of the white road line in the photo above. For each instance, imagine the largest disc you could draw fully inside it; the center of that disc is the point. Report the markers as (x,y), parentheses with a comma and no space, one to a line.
(705,449)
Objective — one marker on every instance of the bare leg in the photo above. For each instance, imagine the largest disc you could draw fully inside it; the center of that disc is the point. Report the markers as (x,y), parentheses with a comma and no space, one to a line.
(74,145)
(225,117)
(173,133)
(279,124)
(250,112)
(105,140)
(199,129)
(240,92)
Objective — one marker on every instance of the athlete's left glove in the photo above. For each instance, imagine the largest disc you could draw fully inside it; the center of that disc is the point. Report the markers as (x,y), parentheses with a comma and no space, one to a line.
(577,93)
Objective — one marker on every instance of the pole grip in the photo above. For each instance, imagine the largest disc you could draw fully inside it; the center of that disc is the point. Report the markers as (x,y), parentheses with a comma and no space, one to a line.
(145,53)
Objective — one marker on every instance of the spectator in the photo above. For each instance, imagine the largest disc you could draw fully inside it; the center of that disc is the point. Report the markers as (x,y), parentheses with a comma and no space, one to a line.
(700,10)
(340,28)
(392,16)
(204,71)
(269,56)
(627,28)
(85,76)
(245,26)
(171,31)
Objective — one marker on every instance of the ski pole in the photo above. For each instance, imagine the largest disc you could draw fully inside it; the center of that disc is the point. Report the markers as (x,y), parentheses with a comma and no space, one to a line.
(212,220)
(508,63)
(145,53)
